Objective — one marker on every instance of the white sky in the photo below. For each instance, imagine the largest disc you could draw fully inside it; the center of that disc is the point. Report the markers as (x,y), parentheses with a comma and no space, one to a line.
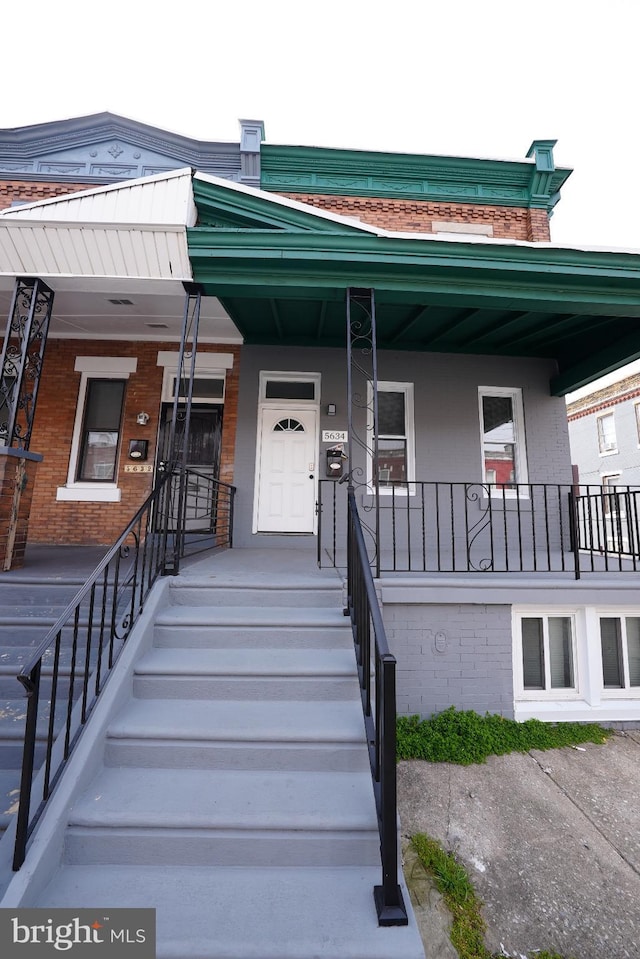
(470,77)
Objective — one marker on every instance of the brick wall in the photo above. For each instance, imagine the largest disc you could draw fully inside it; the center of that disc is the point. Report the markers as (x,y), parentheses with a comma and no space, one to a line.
(30,192)
(512,223)
(451,655)
(85,523)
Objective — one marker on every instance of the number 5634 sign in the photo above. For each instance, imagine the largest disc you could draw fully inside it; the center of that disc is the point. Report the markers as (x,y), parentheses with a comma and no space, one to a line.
(334,436)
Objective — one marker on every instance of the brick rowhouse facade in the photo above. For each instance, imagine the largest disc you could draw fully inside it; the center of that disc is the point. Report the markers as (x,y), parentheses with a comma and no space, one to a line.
(77,522)
(418,216)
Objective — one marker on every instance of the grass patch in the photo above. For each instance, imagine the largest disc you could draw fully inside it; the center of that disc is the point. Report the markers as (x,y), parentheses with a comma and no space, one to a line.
(464,737)
(453,883)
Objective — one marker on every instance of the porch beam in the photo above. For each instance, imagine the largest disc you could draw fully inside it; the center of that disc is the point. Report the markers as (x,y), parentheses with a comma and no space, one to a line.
(607,360)
(321,319)
(447,328)
(277,322)
(553,324)
(415,317)
(499,326)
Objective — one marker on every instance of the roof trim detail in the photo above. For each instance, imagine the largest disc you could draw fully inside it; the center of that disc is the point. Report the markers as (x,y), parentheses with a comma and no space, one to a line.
(533,182)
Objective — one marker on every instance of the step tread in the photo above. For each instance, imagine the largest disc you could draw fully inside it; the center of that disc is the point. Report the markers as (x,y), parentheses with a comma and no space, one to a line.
(240,721)
(139,798)
(247,662)
(246,913)
(262,616)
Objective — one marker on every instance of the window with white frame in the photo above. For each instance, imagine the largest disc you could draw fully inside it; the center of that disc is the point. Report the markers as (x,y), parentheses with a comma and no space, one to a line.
(606,434)
(547,654)
(101,430)
(95,448)
(504,459)
(396,442)
(620,646)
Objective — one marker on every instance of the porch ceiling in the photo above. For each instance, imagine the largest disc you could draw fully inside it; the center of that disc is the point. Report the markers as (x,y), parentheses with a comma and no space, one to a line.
(580,308)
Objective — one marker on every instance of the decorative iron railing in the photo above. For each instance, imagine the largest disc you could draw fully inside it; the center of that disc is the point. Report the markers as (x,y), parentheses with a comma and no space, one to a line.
(485,528)
(67,672)
(379,706)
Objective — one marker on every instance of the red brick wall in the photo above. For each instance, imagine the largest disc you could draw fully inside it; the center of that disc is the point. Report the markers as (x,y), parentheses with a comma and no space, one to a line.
(30,191)
(85,523)
(515,223)
(511,223)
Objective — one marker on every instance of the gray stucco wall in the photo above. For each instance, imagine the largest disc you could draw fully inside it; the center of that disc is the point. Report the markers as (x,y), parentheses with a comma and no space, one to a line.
(585,452)
(447,425)
(451,655)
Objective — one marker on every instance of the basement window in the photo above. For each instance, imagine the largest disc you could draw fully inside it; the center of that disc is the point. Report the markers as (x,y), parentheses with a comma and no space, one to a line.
(620,645)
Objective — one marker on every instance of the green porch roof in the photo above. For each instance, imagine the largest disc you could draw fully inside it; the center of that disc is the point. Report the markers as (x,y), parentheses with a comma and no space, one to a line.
(286,286)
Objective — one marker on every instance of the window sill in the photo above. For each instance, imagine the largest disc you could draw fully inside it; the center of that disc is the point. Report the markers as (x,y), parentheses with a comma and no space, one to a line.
(92,494)
(607,452)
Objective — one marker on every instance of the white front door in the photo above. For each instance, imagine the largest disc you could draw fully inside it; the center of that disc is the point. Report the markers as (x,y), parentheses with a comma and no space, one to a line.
(287,471)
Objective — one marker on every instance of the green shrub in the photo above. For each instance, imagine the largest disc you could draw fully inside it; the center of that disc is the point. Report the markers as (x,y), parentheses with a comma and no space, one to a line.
(465,737)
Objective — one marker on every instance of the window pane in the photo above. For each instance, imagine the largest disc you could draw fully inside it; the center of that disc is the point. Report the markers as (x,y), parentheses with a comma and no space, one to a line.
(611,652)
(104,405)
(392,461)
(532,654)
(100,430)
(99,456)
(204,387)
(499,438)
(606,433)
(290,390)
(391,418)
(560,652)
(633,649)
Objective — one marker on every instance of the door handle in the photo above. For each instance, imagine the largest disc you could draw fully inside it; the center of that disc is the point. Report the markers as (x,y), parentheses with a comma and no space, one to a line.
(310,475)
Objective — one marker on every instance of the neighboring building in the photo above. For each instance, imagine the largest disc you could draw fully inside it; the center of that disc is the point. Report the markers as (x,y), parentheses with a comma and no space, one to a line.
(604,432)
(482,327)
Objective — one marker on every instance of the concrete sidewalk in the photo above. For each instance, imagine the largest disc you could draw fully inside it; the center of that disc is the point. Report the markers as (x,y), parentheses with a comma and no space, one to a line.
(551,841)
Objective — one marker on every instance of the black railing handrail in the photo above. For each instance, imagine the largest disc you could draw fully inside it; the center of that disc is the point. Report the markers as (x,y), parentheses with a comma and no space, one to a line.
(92,580)
(474,527)
(153,541)
(379,714)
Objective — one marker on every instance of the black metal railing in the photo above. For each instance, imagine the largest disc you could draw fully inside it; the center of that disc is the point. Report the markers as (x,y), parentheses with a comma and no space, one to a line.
(67,672)
(379,705)
(198,512)
(486,528)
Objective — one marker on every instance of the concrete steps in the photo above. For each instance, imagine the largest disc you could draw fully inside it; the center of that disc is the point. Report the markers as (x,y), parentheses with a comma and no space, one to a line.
(273,912)
(235,795)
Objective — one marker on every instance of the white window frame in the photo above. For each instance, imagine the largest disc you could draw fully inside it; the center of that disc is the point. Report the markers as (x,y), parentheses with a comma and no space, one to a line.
(626,691)
(392,386)
(578,653)
(288,376)
(96,491)
(606,449)
(514,393)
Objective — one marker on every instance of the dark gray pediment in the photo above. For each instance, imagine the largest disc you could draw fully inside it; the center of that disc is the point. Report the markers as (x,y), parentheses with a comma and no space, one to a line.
(105,148)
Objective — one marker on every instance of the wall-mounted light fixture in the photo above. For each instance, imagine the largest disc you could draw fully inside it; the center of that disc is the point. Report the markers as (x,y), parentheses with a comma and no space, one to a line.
(142,419)
(331,409)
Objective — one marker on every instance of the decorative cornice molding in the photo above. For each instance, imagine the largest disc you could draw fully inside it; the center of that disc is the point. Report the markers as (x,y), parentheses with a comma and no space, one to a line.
(534,182)
(104,148)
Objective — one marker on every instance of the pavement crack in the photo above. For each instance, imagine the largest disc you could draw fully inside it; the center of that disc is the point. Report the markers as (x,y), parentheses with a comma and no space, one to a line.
(607,839)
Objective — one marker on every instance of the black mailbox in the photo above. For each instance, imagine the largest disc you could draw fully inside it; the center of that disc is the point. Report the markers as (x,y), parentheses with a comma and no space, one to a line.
(335,459)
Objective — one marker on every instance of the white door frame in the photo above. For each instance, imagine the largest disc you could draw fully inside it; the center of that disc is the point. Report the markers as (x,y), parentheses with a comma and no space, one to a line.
(289,408)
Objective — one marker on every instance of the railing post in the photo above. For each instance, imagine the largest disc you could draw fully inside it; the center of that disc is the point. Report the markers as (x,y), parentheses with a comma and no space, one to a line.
(32,686)
(388,895)
(573,531)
